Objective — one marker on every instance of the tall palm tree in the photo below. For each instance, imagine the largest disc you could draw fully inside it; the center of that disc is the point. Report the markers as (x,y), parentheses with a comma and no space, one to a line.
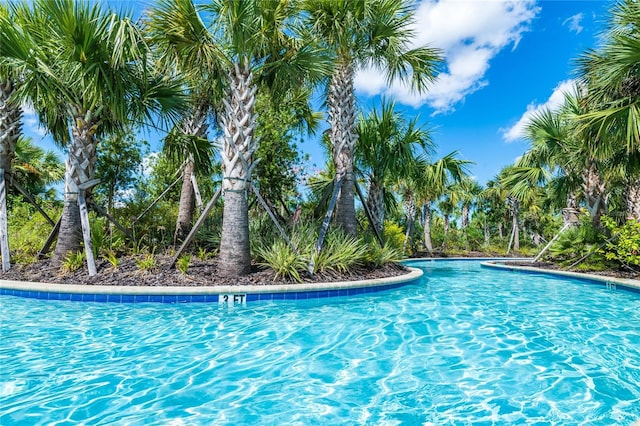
(105,56)
(467,191)
(34,168)
(186,46)
(363,33)
(257,41)
(386,150)
(426,184)
(10,125)
(612,75)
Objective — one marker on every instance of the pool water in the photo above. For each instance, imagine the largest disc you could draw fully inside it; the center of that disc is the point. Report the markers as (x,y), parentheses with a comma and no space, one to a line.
(464,345)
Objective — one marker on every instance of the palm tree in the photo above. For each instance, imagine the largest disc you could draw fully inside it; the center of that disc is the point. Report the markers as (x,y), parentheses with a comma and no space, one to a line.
(105,56)
(612,76)
(256,40)
(363,33)
(186,47)
(10,125)
(34,168)
(385,151)
(425,184)
(467,191)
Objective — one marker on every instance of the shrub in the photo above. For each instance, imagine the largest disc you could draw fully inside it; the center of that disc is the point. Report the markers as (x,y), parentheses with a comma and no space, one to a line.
(393,235)
(73,261)
(147,263)
(625,247)
(577,242)
(284,262)
(342,252)
(183,263)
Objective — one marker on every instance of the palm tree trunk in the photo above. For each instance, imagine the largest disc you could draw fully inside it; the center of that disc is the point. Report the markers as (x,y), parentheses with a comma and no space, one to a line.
(411,214)
(632,199)
(501,230)
(80,169)
(238,123)
(375,202)
(465,216)
(487,235)
(426,209)
(514,206)
(186,205)
(342,118)
(594,190)
(194,125)
(10,130)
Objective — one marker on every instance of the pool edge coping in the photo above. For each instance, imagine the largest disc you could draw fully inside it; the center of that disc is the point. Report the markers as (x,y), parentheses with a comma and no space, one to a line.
(625,282)
(27,286)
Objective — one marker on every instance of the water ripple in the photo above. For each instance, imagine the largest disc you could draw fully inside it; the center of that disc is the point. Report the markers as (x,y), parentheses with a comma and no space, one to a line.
(463,346)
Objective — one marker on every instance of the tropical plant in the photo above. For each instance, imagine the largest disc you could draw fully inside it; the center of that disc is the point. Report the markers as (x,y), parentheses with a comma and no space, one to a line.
(254,40)
(73,261)
(186,47)
(363,33)
(106,57)
(427,184)
(386,149)
(624,246)
(183,263)
(147,263)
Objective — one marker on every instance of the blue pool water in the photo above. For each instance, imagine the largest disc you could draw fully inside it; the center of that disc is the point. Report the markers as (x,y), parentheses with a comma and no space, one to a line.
(465,345)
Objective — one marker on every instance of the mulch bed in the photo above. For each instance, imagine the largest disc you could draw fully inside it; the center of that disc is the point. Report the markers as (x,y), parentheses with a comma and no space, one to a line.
(200,273)
(205,273)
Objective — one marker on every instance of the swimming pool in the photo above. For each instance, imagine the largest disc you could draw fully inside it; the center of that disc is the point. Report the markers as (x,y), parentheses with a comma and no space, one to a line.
(462,345)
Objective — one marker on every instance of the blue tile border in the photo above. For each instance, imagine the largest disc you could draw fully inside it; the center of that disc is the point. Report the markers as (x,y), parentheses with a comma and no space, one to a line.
(103,294)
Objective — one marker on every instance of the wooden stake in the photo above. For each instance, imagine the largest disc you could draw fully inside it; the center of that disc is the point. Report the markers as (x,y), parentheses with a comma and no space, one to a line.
(273,218)
(369,215)
(50,239)
(29,198)
(4,233)
(86,233)
(195,228)
(196,192)
(325,223)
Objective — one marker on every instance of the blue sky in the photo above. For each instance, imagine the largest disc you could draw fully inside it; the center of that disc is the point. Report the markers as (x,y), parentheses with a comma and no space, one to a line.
(504,60)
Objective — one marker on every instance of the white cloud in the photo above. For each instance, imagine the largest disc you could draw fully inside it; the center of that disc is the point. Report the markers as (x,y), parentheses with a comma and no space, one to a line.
(574,23)
(31,123)
(556,99)
(149,162)
(471,33)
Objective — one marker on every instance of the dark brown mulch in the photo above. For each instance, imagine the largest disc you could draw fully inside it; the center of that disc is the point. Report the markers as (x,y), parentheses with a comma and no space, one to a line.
(200,273)
(617,273)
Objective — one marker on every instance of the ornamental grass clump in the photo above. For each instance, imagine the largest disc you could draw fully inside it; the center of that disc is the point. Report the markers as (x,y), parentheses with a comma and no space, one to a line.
(281,258)
(341,254)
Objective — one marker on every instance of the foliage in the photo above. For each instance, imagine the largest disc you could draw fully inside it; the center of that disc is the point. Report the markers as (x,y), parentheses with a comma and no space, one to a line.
(378,256)
(626,245)
(110,256)
(183,263)
(577,242)
(28,229)
(73,261)
(341,253)
(147,263)
(393,235)
(284,262)
(117,166)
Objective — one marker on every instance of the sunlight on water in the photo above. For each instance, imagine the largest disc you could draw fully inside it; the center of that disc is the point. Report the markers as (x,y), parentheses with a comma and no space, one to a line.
(465,345)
